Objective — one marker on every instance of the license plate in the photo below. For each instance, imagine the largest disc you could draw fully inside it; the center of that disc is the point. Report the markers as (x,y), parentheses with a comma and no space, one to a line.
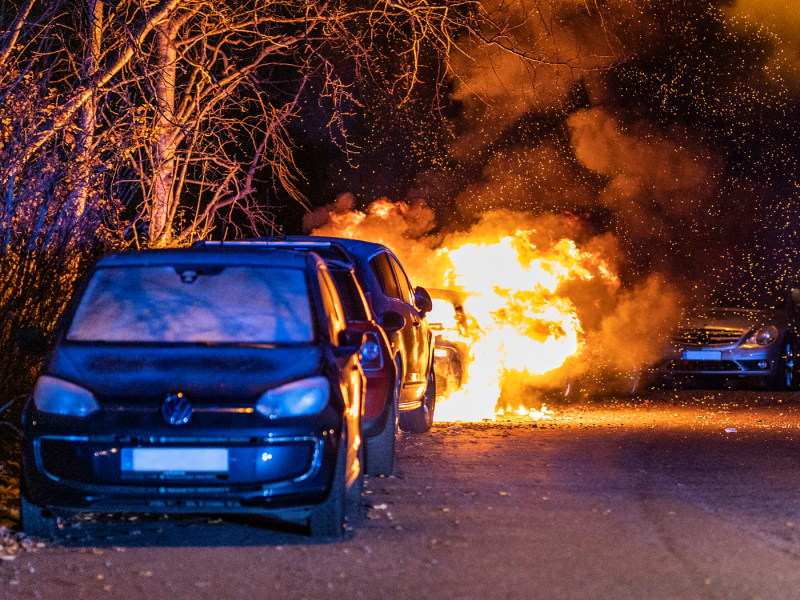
(181,460)
(702,355)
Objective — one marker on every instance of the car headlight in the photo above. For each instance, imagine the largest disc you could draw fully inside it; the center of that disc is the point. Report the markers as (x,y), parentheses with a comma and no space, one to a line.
(296,399)
(764,336)
(53,395)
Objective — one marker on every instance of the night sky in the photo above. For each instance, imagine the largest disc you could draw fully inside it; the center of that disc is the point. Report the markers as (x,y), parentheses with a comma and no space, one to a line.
(673,125)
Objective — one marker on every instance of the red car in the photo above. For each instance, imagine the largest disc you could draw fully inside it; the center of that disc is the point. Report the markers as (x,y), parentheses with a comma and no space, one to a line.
(378,427)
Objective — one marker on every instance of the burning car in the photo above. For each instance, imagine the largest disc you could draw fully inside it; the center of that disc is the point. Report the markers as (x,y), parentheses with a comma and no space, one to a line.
(206,380)
(730,344)
(450,324)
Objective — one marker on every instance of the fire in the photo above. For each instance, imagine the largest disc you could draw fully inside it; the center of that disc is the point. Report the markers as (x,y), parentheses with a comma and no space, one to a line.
(518,322)
(517,319)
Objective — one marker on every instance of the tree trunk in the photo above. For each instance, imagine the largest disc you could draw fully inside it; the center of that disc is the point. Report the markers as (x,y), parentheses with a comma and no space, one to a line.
(163,191)
(88,112)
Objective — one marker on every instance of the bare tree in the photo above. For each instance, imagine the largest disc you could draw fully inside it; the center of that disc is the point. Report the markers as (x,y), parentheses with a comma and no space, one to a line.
(159,115)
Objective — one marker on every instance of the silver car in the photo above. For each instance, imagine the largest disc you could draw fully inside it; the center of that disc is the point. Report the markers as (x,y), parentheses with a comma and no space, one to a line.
(729,344)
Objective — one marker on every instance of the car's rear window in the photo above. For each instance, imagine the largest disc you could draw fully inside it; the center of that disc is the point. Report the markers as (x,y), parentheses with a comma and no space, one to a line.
(348,293)
(203,304)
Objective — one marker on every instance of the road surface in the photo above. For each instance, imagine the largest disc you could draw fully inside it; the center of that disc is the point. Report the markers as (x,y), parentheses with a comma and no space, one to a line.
(685,494)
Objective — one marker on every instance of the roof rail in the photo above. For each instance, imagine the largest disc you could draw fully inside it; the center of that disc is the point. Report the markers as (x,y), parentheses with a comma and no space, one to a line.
(276,243)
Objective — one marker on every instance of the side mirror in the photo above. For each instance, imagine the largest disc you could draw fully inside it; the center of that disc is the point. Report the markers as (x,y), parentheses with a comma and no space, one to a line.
(30,340)
(422,300)
(350,337)
(392,321)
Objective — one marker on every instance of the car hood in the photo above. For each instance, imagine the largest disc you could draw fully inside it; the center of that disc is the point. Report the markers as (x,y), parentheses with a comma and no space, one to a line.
(732,318)
(126,373)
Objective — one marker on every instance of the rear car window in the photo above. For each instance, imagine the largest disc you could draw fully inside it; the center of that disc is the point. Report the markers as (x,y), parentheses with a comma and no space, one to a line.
(383,271)
(206,304)
(348,293)
(402,280)
(333,305)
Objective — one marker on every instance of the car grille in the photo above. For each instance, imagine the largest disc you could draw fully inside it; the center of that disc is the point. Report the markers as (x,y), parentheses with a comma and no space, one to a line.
(267,461)
(707,336)
(702,365)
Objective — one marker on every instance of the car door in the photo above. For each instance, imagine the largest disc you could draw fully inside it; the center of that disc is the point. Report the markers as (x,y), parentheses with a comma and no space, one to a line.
(351,377)
(408,338)
(420,327)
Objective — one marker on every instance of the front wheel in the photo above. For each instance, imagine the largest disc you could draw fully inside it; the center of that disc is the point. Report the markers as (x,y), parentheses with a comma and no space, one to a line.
(35,521)
(784,378)
(327,520)
(355,490)
(381,449)
(420,419)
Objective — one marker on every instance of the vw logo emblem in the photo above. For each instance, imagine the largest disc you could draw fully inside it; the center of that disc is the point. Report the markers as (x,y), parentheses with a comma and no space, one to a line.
(177,410)
(703,338)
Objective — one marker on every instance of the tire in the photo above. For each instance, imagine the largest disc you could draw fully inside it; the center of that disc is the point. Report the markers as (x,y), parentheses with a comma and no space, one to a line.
(327,520)
(381,449)
(784,378)
(355,490)
(35,520)
(420,419)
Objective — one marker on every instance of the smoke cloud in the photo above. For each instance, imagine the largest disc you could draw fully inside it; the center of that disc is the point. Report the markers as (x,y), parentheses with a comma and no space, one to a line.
(661,137)
(671,125)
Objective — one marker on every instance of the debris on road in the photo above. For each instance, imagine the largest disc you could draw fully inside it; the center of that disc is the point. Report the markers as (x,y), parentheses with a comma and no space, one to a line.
(13,543)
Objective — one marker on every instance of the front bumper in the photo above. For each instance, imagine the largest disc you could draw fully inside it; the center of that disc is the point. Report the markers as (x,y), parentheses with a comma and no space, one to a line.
(281,472)
(714,362)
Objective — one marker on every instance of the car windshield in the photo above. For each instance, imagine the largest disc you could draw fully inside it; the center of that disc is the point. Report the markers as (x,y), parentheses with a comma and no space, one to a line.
(203,304)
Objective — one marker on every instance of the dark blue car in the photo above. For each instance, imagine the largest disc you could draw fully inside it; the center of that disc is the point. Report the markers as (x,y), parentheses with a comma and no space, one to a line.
(210,380)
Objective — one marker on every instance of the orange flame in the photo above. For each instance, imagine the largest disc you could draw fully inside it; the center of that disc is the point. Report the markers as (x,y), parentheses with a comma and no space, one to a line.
(518,322)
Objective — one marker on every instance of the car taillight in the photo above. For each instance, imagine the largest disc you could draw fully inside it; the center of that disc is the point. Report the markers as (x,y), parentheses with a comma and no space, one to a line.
(371,355)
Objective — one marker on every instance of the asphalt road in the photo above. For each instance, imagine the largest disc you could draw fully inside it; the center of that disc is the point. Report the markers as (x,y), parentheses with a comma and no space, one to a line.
(646,499)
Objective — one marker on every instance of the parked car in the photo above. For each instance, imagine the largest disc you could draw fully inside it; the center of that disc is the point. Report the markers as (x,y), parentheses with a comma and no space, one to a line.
(729,344)
(379,429)
(449,321)
(208,380)
(411,399)
(376,355)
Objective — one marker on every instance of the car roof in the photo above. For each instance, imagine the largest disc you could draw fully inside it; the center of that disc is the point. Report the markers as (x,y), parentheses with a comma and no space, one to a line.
(328,247)
(202,255)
